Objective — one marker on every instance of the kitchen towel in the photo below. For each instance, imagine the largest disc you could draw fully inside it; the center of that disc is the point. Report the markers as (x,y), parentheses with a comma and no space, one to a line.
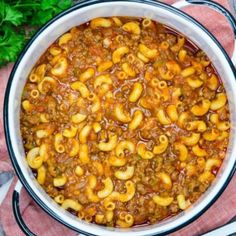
(43,225)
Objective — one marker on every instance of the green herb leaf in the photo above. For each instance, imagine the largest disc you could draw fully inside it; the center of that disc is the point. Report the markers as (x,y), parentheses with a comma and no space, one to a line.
(48,4)
(41,17)
(64,4)
(11,43)
(10,14)
(18,21)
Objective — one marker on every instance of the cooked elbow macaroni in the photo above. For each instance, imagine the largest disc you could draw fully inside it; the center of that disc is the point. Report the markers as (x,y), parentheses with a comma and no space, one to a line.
(121,115)
(192,139)
(71,204)
(162,146)
(34,159)
(100,22)
(123,123)
(136,120)
(123,146)
(218,102)
(162,201)
(81,87)
(110,145)
(132,27)
(119,53)
(87,74)
(136,92)
(108,188)
(84,133)
(201,109)
(147,52)
(182,151)
(143,152)
(163,118)
(165,179)
(183,204)
(125,175)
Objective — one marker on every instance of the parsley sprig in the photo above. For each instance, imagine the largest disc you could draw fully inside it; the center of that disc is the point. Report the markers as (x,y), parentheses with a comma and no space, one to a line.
(18,21)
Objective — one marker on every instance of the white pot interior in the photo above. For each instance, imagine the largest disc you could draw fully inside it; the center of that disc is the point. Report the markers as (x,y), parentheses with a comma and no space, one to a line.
(77,17)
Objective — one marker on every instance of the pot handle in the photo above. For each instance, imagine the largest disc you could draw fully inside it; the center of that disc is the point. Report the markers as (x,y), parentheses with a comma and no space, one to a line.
(220,9)
(16,210)
(17,213)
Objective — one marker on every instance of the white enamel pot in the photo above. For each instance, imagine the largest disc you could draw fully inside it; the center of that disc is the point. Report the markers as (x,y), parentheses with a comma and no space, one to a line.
(78,14)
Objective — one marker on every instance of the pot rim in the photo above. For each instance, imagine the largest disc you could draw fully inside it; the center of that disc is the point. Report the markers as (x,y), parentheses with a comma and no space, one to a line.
(79,5)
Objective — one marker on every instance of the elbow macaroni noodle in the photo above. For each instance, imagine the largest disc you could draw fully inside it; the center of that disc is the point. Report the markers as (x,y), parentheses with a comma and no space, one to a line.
(182,151)
(125,175)
(123,146)
(110,145)
(122,123)
(132,27)
(136,92)
(163,144)
(119,53)
(108,188)
(145,154)
(162,201)
(136,120)
(121,115)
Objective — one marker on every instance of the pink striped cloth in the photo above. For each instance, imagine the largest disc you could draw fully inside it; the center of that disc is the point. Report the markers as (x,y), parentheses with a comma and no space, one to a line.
(221,212)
